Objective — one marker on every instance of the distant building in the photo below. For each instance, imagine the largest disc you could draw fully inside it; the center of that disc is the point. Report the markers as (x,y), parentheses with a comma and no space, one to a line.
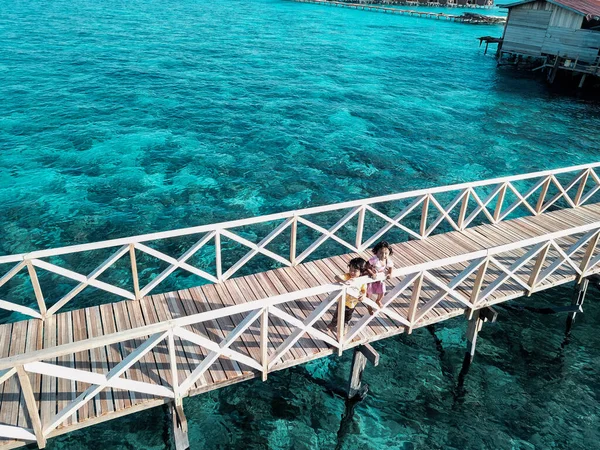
(564,33)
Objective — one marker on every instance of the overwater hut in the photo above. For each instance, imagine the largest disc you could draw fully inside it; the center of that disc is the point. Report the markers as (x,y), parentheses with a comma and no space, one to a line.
(563,34)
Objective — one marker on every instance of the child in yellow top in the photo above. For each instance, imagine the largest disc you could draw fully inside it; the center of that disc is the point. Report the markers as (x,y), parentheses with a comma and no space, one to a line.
(356,268)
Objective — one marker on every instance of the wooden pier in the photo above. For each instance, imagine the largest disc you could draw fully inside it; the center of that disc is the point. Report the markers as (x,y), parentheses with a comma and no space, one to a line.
(469,18)
(491,242)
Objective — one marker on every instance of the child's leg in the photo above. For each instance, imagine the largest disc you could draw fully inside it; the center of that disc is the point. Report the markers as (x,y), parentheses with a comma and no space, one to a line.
(348,314)
(378,301)
(333,322)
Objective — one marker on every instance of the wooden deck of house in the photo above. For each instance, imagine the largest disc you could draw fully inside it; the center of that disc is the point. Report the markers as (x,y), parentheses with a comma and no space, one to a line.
(77,368)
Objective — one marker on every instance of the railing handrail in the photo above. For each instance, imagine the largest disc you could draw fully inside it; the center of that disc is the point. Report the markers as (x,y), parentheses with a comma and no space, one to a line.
(423,212)
(281,216)
(266,302)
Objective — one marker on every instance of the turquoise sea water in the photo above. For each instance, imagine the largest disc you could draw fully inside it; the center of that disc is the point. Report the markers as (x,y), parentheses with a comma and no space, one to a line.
(119,118)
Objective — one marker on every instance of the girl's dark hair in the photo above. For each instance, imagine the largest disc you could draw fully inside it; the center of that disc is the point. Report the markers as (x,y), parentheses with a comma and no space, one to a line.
(383,244)
(358,264)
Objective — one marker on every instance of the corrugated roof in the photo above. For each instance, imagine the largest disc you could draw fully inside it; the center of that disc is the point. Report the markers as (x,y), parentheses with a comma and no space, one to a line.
(590,8)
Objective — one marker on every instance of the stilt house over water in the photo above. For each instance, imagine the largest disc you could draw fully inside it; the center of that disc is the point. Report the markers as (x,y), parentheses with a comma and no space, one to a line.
(564,34)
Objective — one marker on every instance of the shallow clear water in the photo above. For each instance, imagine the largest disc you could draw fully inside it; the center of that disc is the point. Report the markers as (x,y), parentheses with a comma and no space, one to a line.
(119,118)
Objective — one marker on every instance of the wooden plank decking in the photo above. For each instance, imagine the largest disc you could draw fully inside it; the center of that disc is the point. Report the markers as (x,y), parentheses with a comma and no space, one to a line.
(52,394)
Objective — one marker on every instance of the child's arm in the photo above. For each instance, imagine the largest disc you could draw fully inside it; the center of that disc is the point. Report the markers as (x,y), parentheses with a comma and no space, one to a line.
(388,270)
(363,293)
(371,271)
(342,278)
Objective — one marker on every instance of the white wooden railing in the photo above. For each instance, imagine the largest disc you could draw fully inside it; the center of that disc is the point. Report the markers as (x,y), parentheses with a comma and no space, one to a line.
(487,201)
(536,260)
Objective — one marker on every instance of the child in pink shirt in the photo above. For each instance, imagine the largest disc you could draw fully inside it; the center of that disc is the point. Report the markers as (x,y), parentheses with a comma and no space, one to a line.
(380,263)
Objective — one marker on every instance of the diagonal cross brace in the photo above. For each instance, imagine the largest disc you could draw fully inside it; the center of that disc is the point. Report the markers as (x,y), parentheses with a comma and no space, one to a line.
(386,301)
(115,372)
(214,355)
(258,248)
(304,326)
(394,222)
(327,234)
(449,290)
(176,263)
(92,276)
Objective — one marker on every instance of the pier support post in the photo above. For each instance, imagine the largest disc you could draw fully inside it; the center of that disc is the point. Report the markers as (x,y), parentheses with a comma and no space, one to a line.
(362,354)
(179,427)
(478,317)
(578,297)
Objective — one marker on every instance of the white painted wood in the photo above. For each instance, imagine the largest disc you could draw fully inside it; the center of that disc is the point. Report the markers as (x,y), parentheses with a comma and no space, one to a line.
(257,248)
(223,345)
(173,367)
(445,213)
(115,372)
(6,374)
(37,289)
(92,276)
(539,262)
(134,272)
(327,234)
(315,315)
(359,227)
(279,216)
(82,278)
(261,245)
(387,300)
(340,329)
(275,300)
(451,292)
(298,323)
(264,342)
(214,347)
(31,405)
(218,261)
(293,240)
(522,199)
(17,433)
(482,205)
(509,273)
(393,222)
(12,272)
(9,306)
(450,289)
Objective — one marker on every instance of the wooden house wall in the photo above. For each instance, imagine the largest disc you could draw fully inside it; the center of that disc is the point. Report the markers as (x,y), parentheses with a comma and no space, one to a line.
(561,17)
(525,31)
(541,28)
(581,44)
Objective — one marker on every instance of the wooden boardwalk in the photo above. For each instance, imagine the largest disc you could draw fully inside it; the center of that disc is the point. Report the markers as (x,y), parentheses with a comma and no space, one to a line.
(476,19)
(84,366)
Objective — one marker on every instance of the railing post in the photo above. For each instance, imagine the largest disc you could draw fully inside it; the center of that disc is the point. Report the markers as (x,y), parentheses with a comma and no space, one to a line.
(293,239)
(31,406)
(414,301)
(173,364)
(581,187)
(424,212)
(264,342)
(359,228)
(499,202)
(341,320)
(589,251)
(479,281)
(539,262)
(463,209)
(218,263)
(37,289)
(134,272)
(542,197)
